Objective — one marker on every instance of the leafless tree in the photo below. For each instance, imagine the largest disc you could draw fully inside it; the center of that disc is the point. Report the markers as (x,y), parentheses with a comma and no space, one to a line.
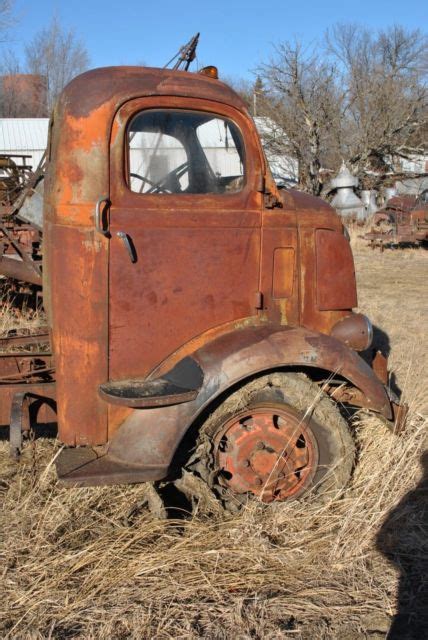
(385,111)
(6,17)
(13,100)
(357,95)
(58,55)
(21,95)
(302,99)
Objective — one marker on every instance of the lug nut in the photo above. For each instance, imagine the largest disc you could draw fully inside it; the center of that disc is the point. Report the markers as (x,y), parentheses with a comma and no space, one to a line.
(260,445)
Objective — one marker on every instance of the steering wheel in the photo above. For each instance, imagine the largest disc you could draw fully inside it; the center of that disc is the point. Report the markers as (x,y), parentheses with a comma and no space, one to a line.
(143,181)
(170,183)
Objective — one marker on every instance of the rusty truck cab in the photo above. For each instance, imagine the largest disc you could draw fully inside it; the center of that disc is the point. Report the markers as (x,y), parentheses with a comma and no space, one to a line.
(175,269)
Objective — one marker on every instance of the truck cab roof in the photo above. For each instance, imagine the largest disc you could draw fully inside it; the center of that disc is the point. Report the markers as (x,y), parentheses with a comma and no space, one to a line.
(91,89)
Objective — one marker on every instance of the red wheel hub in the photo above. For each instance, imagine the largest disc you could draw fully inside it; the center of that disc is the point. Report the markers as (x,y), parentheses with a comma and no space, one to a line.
(267,451)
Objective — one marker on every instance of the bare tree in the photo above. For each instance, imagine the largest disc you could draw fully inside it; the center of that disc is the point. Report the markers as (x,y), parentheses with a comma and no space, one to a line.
(358,95)
(385,113)
(57,55)
(6,17)
(21,95)
(301,97)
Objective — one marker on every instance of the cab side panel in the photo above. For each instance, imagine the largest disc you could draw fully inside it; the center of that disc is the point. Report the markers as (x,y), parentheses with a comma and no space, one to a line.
(79,314)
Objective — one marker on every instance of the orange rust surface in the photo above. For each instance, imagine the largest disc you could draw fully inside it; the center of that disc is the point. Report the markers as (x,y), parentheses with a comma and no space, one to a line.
(335,271)
(198,255)
(79,301)
(283,272)
(276,278)
(203,260)
(268,451)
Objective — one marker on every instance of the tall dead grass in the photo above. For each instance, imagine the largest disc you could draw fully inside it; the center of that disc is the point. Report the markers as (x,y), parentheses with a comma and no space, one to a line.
(96,563)
(23,316)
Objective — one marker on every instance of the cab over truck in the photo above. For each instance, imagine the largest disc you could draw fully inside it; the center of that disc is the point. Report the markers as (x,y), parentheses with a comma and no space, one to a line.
(200,318)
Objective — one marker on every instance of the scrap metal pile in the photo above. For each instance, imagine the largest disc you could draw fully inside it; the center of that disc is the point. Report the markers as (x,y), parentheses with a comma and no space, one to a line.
(21,222)
(403,220)
(25,358)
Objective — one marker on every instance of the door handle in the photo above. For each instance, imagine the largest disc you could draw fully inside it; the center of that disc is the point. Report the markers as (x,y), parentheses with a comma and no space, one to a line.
(129,245)
(101,220)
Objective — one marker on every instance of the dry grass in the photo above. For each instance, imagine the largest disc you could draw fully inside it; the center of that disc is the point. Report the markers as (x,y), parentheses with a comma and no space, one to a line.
(17,314)
(95,563)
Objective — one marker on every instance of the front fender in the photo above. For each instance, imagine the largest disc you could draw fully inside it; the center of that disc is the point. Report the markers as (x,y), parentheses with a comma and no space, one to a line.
(150,437)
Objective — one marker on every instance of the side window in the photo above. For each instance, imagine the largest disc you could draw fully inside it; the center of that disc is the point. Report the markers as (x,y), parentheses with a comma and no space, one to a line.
(172,151)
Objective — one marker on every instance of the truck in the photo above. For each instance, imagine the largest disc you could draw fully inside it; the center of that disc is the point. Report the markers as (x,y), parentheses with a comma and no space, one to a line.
(200,318)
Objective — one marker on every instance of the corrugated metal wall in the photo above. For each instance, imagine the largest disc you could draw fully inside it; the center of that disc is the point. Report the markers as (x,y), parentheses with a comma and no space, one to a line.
(24,136)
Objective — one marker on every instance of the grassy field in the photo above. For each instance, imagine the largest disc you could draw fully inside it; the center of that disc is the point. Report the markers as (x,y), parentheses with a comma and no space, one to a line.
(96,563)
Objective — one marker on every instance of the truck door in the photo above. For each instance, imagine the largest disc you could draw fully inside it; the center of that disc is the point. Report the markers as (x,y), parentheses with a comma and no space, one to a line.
(184,225)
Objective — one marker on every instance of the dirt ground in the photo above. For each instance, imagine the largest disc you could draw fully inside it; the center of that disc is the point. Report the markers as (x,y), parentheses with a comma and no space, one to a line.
(97,563)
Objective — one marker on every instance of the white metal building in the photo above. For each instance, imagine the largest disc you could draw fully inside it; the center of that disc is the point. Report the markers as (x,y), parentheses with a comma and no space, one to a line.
(29,136)
(285,169)
(24,136)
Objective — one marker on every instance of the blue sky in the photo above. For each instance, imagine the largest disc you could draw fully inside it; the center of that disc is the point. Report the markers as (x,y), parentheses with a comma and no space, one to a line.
(235,35)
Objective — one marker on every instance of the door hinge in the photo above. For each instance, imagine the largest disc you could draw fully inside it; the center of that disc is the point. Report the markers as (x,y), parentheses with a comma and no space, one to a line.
(258,300)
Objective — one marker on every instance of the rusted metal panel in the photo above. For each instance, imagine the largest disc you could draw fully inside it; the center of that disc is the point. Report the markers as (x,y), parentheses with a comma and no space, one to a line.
(335,274)
(18,270)
(311,316)
(380,367)
(18,340)
(307,202)
(43,410)
(155,308)
(79,308)
(225,362)
(279,278)
(78,175)
(25,367)
(284,259)
(86,466)
(197,256)
(92,89)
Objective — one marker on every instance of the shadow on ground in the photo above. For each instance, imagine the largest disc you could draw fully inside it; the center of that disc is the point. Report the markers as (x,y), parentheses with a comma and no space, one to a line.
(403,540)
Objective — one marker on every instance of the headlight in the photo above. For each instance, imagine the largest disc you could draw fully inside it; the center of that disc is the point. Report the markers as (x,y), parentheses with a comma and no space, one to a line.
(355,330)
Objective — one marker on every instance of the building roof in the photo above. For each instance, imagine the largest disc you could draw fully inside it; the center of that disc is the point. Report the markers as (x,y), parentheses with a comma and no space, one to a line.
(23,134)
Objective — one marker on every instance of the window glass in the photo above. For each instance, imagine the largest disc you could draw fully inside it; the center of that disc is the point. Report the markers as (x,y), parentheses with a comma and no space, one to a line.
(184,152)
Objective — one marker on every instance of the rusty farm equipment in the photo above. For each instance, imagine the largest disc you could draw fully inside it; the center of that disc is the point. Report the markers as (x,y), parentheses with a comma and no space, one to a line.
(21,223)
(402,222)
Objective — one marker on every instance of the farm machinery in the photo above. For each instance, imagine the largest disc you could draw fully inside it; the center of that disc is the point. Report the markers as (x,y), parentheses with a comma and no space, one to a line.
(21,221)
(403,221)
(200,319)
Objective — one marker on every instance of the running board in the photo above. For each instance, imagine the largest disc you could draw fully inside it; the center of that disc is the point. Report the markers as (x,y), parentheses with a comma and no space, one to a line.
(180,384)
(85,467)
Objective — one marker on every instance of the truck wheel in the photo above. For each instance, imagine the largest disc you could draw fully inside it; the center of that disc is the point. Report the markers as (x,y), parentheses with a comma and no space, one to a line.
(274,439)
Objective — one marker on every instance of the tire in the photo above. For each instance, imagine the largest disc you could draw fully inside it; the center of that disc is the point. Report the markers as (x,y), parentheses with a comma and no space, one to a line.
(238,442)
